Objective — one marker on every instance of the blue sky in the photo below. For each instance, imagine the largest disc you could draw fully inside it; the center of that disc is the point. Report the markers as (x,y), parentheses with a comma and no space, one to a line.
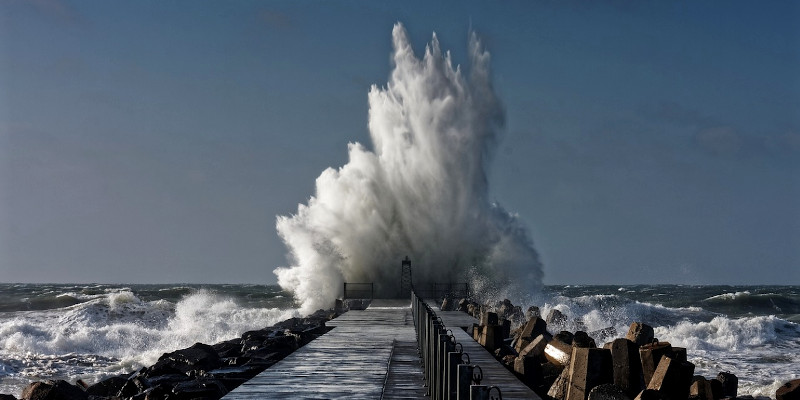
(149,141)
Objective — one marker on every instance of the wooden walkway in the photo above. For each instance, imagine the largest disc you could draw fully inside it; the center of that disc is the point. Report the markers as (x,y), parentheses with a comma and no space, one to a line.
(370,354)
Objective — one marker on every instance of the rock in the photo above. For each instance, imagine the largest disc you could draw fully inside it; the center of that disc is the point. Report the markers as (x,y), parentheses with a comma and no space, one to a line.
(640,333)
(555,317)
(607,391)
(650,355)
(588,368)
(730,384)
(133,386)
(107,387)
(505,309)
(627,367)
(198,357)
(564,336)
(672,378)
(229,348)
(198,389)
(533,312)
(53,390)
(7,397)
(582,339)
(789,391)
(463,305)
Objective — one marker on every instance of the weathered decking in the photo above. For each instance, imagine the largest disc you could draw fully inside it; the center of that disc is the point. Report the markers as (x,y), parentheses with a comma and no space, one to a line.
(370,354)
(494,374)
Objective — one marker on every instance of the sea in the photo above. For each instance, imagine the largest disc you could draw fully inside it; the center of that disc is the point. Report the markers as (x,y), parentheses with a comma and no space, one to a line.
(90,332)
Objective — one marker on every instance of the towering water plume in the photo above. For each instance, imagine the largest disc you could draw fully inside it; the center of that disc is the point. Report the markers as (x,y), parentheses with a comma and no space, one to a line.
(422,191)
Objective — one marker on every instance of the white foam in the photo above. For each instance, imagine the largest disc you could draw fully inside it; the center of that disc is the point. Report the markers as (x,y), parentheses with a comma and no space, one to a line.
(421,192)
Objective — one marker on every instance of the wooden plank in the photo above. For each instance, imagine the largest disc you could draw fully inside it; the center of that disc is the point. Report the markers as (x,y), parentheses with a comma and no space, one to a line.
(369,353)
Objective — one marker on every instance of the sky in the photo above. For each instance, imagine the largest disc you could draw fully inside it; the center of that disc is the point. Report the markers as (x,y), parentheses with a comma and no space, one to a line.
(156,142)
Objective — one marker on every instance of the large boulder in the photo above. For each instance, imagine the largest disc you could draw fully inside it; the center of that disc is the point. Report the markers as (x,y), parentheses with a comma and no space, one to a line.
(199,357)
(107,387)
(53,390)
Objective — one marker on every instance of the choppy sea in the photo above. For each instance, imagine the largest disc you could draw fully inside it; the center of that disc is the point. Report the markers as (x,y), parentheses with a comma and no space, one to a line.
(90,332)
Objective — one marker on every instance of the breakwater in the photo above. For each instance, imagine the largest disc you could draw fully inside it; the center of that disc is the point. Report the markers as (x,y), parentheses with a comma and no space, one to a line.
(569,365)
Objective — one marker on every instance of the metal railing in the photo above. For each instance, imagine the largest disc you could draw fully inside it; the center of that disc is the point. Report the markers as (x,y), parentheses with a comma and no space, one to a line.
(440,290)
(358,290)
(449,375)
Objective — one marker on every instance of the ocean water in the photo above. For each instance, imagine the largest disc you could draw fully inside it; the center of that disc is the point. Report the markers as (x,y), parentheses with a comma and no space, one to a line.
(93,331)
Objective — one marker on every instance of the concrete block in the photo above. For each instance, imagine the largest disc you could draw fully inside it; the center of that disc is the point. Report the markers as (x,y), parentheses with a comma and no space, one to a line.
(582,339)
(533,328)
(491,337)
(650,355)
(529,370)
(701,389)
(533,312)
(640,333)
(558,390)
(489,318)
(650,394)
(588,368)
(627,367)
(789,391)
(558,352)
(607,391)
(535,348)
(672,378)
(730,384)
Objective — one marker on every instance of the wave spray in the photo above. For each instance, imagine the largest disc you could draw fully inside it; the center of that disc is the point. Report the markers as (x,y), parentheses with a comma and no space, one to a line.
(422,191)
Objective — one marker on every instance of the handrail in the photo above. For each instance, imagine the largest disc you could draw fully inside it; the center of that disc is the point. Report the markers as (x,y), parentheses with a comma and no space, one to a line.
(447,375)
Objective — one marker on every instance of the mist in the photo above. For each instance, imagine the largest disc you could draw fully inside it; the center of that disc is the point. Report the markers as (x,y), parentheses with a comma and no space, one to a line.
(421,191)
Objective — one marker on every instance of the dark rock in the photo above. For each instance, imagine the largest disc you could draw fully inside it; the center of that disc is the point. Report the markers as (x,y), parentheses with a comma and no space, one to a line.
(7,397)
(640,333)
(228,348)
(607,391)
(789,391)
(555,317)
(533,312)
(197,389)
(462,305)
(169,380)
(198,357)
(107,387)
(133,386)
(53,390)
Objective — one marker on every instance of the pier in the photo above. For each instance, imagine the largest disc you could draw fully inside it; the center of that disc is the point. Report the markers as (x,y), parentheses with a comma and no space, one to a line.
(374,354)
